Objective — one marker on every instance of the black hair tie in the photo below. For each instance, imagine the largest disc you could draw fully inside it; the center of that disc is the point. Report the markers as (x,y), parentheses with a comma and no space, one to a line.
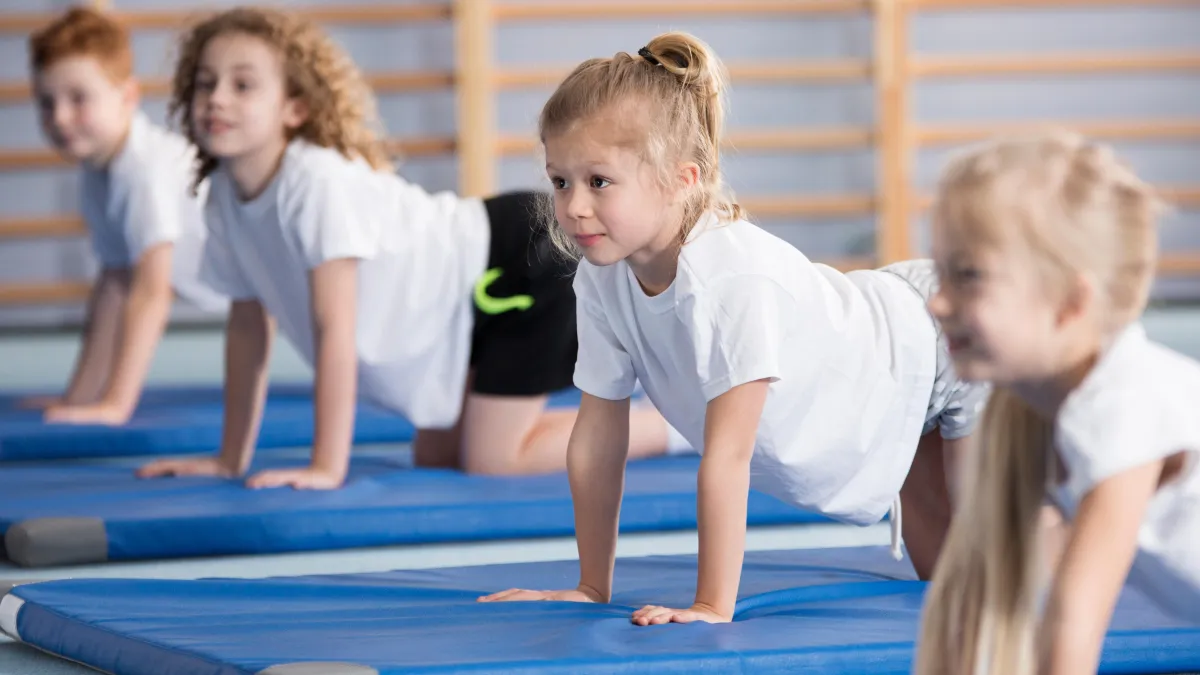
(651,58)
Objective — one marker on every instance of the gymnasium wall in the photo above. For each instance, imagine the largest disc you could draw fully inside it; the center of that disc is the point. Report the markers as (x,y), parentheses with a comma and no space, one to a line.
(842,111)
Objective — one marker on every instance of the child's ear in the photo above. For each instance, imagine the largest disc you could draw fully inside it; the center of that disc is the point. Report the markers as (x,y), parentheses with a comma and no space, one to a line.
(295,113)
(131,93)
(687,179)
(1080,301)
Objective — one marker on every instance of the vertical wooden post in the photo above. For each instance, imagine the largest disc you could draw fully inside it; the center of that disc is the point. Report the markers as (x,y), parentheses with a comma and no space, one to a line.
(475,95)
(895,149)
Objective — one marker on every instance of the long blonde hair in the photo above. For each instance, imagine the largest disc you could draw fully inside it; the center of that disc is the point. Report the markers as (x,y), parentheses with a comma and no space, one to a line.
(1078,211)
(341,106)
(681,84)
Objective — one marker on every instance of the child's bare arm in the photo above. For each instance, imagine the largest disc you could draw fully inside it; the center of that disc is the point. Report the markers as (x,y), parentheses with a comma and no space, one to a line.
(334,286)
(731,426)
(596,458)
(102,328)
(143,318)
(1093,568)
(247,348)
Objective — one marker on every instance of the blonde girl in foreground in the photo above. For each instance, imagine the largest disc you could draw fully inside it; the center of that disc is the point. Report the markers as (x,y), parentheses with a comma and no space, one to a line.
(1046,252)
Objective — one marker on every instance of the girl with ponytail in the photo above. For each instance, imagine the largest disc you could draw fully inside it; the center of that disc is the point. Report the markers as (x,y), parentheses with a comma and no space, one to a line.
(1046,251)
(831,391)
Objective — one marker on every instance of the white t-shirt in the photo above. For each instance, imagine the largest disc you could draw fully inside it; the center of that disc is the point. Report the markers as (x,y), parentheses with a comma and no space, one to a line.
(143,198)
(420,255)
(850,358)
(1141,403)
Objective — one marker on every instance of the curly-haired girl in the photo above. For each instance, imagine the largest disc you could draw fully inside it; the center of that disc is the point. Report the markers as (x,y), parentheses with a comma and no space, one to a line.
(448,310)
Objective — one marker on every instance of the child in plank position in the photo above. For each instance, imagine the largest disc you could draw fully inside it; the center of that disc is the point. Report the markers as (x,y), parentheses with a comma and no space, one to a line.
(371,278)
(145,224)
(831,391)
(1046,251)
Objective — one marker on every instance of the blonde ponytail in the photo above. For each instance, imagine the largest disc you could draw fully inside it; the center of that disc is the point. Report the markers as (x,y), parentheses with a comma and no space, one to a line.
(982,605)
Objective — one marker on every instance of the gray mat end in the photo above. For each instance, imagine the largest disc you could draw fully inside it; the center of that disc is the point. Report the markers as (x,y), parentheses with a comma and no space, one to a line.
(319,668)
(44,542)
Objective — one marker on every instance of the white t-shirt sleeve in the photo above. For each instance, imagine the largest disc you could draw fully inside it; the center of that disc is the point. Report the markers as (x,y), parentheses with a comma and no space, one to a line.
(219,268)
(329,212)
(603,367)
(737,328)
(154,209)
(1117,432)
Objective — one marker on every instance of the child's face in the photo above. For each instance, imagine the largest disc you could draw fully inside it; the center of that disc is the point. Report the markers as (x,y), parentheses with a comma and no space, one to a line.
(83,113)
(240,106)
(1002,324)
(607,197)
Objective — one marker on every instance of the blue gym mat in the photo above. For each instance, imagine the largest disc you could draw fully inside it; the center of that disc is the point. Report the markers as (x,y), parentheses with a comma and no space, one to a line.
(85,513)
(823,612)
(171,421)
(175,421)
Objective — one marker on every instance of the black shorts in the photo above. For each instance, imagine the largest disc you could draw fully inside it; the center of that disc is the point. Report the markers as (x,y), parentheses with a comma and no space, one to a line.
(525,340)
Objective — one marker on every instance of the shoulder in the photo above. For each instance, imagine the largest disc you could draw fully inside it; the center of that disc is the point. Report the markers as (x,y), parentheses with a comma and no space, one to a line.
(737,258)
(308,165)
(1137,405)
(153,155)
(718,249)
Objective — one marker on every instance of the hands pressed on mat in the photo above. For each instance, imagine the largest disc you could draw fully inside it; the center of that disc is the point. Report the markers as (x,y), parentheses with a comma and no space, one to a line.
(596,462)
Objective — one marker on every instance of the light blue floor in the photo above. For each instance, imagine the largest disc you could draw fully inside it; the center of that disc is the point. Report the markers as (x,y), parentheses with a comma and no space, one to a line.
(44,362)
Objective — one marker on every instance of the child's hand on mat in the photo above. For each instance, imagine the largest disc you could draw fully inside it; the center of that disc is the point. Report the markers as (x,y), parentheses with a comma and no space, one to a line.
(203,466)
(653,615)
(581,594)
(96,413)
(308,478)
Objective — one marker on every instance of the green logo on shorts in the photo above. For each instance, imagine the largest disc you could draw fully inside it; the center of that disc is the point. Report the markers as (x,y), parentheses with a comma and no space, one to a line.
(489,305)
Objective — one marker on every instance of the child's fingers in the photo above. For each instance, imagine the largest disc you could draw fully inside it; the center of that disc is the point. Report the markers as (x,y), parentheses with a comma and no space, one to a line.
(650,614)
(522,595)
(501,595)
(268,479)
(156,470)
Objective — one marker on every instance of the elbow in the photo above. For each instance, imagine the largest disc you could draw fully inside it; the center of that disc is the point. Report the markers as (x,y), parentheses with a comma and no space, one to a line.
(726,463)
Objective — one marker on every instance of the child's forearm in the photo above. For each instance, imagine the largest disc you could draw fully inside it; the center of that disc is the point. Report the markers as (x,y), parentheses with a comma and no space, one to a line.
(102,328)
(596,465)
(1076,635)
(723,490)
(145,318)
(334,398)
(247,348)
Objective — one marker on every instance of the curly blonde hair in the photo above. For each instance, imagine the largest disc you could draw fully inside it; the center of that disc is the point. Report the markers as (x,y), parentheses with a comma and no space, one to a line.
(341,106)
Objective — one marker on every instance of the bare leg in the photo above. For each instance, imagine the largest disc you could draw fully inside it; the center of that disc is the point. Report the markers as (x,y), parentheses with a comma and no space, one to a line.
(510,435)
(925,501)
(955,458)
(439,448)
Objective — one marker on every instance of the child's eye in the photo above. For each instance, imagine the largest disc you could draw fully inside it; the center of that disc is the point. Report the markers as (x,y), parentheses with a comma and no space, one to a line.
(205,84)
(243,85)
(599,183)
(558,183)
(965,275)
